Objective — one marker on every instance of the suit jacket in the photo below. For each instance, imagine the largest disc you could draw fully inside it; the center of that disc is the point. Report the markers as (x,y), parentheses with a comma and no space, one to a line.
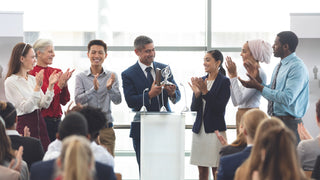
(44,170)
(230,163)
(134,82)
(216,102)
(32,148)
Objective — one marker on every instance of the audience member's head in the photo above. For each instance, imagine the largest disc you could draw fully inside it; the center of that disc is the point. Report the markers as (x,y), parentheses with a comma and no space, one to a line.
(74,123)
(41,45)
(255,157)
(6,152)
(76,160)
(8,113)
(251,120)
(96,120)
(241,138)
(278,155)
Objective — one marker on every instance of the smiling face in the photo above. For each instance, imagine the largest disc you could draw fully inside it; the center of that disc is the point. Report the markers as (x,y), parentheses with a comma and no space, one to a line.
(147,54)
(28,61)
(97,55)
(246,53)
(45,58)
(210,64)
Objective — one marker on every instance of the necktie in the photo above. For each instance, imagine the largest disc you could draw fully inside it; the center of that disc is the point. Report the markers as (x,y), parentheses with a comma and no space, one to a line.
(273,86)
(149,76)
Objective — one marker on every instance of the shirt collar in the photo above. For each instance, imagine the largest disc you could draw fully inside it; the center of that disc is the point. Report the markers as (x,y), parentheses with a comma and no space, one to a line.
(287,59)
(143,66)
(88,72)
(12,132)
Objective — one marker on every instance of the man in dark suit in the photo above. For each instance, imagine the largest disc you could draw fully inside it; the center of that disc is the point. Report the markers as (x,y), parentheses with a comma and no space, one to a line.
(230,163)
(32,148)
(140,76)
(44,170)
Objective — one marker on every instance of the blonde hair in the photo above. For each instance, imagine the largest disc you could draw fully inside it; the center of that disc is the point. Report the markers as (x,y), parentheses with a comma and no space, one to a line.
(41,45)
(77,161)
(251,120)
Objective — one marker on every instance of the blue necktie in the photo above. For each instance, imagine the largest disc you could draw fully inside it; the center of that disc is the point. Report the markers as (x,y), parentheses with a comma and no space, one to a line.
(149,76)
(273,86)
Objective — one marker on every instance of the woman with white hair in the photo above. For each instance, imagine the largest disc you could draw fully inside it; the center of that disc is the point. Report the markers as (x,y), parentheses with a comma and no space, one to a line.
(253,52)
(44,51)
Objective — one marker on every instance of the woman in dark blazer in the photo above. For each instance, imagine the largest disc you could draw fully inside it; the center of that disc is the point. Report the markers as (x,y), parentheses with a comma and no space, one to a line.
(211,94)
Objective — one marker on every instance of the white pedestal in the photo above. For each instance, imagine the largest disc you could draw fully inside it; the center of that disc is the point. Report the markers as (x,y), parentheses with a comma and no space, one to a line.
(162,145)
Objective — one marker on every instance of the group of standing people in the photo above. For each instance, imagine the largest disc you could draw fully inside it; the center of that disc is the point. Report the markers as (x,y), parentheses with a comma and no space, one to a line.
(38,92)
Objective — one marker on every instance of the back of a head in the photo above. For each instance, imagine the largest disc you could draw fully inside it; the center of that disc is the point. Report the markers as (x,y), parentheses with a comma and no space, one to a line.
(290,38)
(76,157)
(6,152)
(74,123)
(96,120)
(251,120)
(8,113)
(280,156)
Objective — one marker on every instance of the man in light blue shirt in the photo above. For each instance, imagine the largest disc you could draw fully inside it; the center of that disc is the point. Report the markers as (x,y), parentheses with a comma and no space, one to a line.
(288,91)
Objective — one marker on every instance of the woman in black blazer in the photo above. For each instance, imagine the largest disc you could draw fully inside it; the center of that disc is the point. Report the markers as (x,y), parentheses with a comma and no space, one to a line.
(211,94)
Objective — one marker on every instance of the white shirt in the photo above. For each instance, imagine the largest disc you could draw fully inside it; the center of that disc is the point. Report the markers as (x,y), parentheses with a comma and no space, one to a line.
(20,92)
(143,68)
(12,132)
(100,153)
(246,97)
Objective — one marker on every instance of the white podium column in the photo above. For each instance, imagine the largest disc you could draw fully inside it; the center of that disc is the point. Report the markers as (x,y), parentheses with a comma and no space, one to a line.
(162,146)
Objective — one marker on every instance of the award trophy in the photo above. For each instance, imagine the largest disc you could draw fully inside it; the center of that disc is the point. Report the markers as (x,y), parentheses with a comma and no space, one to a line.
(166,73)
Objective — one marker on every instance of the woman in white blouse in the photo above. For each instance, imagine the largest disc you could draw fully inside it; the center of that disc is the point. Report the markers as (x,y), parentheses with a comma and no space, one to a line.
(24,92)
(252,53)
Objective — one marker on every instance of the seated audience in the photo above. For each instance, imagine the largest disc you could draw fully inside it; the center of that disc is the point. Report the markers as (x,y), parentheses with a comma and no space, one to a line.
(74,123)
(7,155)
(243,172)
(32,148)
(230,163)
(95,120)
(309,148)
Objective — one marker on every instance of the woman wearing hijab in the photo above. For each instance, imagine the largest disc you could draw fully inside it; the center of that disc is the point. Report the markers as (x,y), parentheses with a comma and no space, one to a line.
(253,52)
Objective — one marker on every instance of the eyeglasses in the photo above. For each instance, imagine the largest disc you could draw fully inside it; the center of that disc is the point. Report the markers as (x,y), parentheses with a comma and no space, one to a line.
(24,48)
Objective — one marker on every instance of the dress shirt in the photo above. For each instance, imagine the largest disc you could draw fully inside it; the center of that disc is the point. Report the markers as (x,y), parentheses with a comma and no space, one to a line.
(246,97)
(143,67)
(100,153)
(291,95)
(20,92)
(61,96)
(86,94)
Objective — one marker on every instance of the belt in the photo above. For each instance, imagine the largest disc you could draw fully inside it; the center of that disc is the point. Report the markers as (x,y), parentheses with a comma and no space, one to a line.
(109,125)
(286,118)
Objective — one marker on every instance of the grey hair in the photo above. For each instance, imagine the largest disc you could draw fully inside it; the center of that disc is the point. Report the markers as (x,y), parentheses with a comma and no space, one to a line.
(140,41)
(41,45)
